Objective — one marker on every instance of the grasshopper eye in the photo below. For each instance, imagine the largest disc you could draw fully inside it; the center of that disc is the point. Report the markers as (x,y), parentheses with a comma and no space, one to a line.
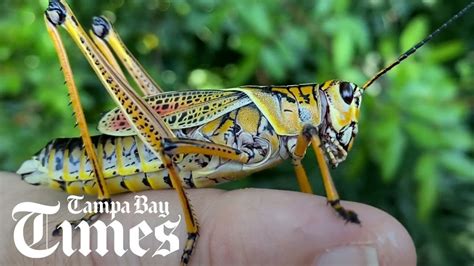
(347,92)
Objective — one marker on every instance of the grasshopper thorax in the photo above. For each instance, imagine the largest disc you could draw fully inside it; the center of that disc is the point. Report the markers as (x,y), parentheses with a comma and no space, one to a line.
(340,102)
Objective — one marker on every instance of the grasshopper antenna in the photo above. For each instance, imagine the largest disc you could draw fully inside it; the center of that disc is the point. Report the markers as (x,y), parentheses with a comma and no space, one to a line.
(412,50)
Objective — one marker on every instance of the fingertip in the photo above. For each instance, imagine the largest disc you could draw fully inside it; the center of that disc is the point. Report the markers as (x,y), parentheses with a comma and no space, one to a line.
(393,242)
(380,240)
(281,227)
(258,226)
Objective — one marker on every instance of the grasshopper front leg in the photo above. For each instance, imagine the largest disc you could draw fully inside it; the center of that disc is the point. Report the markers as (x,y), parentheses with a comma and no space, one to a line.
(149,126)
(310,135)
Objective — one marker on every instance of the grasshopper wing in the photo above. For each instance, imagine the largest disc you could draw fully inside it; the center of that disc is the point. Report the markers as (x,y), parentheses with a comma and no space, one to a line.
(179,109)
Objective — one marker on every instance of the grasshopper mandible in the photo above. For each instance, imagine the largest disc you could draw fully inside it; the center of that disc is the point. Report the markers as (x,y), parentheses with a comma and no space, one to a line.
(192,139)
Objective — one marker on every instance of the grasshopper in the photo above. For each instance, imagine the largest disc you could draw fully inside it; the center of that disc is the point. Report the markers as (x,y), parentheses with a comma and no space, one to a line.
(192,139)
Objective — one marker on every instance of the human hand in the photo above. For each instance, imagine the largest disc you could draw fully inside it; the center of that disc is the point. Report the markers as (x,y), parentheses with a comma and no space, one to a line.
(240,227)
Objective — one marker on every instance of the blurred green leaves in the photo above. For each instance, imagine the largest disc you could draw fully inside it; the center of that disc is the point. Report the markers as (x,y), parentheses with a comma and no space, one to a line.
(426,173)
(414,154)
(388,136)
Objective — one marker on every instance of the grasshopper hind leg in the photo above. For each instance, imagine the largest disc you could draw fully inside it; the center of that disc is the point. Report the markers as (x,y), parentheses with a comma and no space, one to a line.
(149,126)
(104,35)
(89,218)
(189,247)
(55,8)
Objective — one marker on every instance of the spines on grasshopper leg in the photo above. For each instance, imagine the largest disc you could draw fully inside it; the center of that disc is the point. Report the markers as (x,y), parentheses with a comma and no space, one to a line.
(55,15)
(104,49)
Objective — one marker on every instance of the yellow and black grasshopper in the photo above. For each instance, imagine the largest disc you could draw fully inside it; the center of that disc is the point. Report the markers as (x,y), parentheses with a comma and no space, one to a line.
(193,139)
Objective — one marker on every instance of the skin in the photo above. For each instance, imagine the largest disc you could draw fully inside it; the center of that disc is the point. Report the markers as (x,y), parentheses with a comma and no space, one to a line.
(240,227)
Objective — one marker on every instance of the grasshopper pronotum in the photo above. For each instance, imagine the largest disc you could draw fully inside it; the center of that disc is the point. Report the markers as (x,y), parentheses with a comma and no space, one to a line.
(193,139)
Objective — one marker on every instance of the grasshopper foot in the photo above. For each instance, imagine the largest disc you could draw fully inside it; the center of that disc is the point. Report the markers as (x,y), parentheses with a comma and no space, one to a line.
(349,216)
(189,247)
(89,218)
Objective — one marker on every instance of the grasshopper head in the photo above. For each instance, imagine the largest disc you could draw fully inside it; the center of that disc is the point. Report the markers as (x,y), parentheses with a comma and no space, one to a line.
(340,102)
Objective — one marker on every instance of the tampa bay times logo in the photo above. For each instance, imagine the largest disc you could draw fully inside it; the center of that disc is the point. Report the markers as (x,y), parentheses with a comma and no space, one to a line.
(37,215)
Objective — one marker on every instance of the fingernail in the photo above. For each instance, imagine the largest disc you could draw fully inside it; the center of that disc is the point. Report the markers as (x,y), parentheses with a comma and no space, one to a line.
(349,255)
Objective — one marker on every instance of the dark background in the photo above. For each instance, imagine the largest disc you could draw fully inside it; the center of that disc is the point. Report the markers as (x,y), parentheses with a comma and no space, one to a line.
(414,155)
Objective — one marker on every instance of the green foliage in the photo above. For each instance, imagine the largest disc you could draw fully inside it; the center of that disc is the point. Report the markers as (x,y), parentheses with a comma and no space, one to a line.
(413,157)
